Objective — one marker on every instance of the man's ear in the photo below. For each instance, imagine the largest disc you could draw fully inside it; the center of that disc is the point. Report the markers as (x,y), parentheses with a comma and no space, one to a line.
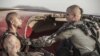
(12,22)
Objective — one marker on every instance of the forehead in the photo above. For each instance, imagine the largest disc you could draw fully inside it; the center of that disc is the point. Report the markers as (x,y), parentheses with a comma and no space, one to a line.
(73,10)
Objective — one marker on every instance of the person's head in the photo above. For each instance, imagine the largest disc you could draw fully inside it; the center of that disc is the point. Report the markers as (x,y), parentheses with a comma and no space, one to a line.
(12,19)
(74,13)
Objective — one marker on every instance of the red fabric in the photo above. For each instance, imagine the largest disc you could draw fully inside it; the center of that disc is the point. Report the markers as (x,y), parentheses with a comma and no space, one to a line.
(28,32)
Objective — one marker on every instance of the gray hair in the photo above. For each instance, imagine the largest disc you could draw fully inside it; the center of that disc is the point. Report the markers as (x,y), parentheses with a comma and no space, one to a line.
(72,7)
(9,17)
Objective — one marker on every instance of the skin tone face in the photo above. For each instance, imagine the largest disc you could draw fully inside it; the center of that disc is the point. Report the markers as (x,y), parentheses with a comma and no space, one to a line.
(73,15)
(17,22)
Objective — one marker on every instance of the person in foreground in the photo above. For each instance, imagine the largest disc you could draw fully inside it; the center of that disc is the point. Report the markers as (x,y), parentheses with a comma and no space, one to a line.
(80,32)
(11,41)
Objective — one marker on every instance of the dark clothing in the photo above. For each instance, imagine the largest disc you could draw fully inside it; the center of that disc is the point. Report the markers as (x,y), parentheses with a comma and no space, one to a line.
(66,48)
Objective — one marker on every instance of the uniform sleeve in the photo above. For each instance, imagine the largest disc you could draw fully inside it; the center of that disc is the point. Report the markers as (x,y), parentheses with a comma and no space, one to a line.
(43,41)
(48,41)
(65,35)
(99,36)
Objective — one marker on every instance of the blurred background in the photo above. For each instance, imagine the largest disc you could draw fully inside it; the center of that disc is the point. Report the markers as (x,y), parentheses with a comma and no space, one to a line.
(89,6)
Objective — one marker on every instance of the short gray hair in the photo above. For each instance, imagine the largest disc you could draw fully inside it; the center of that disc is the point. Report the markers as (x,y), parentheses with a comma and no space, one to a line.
(72,7)
(9,17)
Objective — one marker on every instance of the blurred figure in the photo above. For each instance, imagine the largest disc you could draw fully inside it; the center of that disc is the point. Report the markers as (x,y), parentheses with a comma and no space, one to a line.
(11,40)
(78,32)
